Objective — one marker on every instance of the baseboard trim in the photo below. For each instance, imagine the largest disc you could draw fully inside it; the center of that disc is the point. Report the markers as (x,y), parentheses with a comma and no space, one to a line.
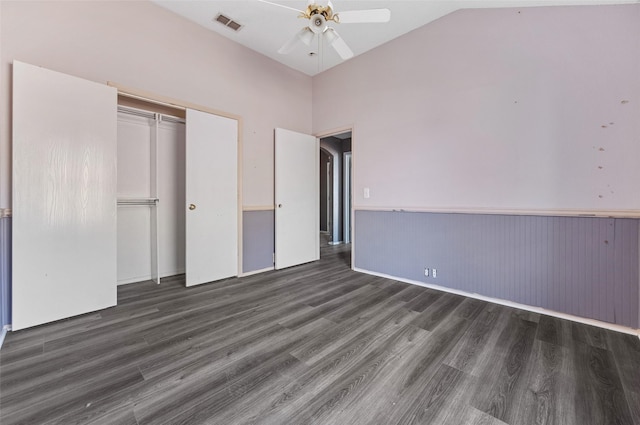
(533,309)
(3,333)
(252,272)
(145,278)
(133,280)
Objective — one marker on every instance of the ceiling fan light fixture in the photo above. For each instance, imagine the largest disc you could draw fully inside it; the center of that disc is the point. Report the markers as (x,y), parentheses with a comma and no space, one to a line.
(330,35)
(306,36)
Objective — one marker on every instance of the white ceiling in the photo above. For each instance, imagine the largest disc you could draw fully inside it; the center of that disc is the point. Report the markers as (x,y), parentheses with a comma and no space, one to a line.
(267,27)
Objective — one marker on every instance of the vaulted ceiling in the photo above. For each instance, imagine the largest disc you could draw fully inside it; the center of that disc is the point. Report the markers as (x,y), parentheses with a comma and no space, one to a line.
(266,27)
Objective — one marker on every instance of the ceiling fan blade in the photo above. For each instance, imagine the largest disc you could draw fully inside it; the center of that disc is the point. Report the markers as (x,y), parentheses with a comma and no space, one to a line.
(290,44)
(281,5)
(305,35)
(364,16)
(332,37)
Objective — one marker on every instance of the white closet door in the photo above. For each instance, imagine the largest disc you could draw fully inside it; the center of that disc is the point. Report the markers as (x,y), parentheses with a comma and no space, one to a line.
(64,196)
(212,197)
(297,185)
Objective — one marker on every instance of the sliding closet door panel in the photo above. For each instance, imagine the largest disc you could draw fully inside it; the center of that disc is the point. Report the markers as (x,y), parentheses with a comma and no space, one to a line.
(134,181)
(211,197)
(64,196)
(172,198)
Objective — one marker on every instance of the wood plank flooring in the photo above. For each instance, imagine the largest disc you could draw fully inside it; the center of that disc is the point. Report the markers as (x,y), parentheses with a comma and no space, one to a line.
(316,344)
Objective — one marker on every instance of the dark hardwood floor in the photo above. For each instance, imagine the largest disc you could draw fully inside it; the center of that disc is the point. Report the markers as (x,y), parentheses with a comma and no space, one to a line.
(316,344)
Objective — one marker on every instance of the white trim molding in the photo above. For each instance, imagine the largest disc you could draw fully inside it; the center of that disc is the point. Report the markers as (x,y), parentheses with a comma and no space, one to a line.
(3,334)
(534,212)
(252,272)
(533,309)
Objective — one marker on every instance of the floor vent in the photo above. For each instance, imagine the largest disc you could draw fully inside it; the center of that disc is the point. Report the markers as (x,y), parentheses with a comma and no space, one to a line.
(228,22)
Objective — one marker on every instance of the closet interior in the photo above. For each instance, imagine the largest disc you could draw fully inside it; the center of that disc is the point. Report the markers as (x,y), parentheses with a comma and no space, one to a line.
(151,194)
(178,199)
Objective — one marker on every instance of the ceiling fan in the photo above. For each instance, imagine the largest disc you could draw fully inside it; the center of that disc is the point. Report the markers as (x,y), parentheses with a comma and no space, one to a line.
(320,15)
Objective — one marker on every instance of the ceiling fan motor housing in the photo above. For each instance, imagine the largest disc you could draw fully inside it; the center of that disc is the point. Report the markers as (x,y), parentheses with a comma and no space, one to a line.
(319,15)
(315,10)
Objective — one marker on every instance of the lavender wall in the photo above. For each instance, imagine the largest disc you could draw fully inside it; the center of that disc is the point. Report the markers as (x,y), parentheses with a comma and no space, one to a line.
(586,267)
(258,243)
(141,45)
(5,270)
(519,110)
(510,109)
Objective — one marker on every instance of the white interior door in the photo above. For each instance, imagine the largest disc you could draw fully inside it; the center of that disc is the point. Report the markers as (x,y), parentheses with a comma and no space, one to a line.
(212,197)
(297,189)
(64,196)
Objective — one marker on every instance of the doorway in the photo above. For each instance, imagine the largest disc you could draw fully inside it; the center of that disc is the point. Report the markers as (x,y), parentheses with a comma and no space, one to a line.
(335,189)
(326,191)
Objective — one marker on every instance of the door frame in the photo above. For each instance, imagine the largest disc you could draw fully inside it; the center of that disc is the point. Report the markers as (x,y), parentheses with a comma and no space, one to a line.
(329,194)
(346,194)
(339,130)
(131,96)
(325,179)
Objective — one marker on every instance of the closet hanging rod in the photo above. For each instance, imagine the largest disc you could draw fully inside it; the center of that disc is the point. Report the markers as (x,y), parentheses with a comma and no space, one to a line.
(138,201)
(148,114)
(135,111)
(146,99)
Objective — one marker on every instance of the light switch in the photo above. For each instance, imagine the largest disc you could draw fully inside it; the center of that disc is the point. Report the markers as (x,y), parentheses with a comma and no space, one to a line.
(366,193)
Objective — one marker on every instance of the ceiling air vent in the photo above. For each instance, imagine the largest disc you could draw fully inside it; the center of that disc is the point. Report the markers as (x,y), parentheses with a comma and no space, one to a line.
(228,22)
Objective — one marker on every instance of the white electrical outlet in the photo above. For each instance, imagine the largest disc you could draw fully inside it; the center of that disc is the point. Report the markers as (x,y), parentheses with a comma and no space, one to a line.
(435,273)
(426,271)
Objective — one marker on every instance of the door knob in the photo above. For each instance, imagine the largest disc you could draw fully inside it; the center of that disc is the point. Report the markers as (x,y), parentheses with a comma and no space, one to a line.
(192,206)
(279,205)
